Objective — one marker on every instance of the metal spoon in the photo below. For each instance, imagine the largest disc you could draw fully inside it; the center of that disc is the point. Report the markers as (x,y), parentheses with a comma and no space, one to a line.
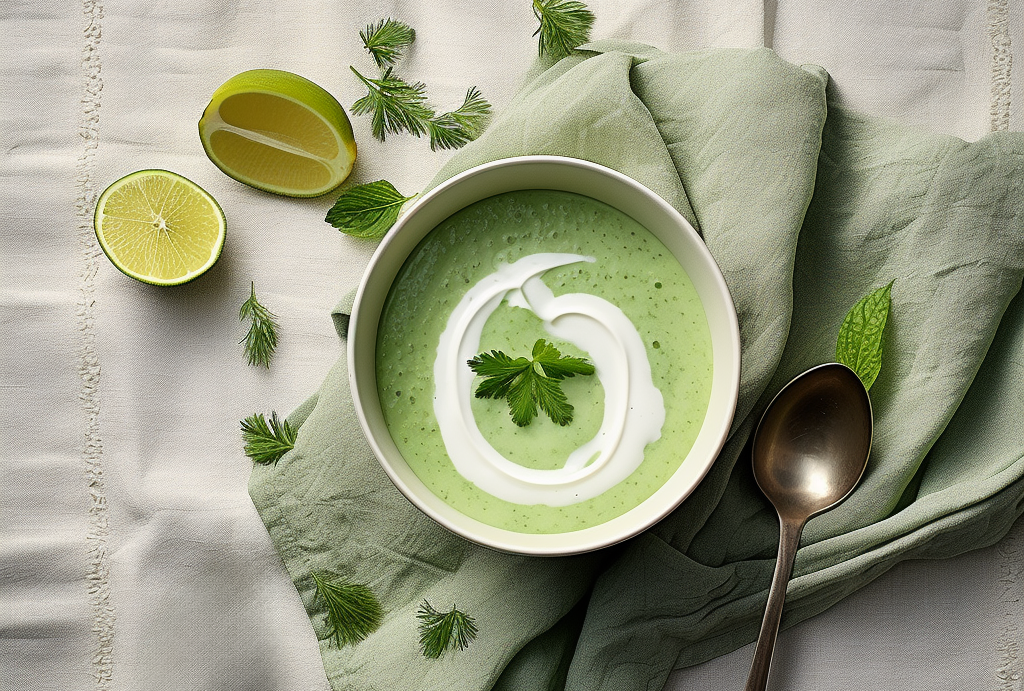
(810,451)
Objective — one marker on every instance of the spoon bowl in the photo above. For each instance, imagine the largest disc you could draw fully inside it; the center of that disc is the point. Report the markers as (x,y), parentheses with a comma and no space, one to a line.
(812,445)
(810,451)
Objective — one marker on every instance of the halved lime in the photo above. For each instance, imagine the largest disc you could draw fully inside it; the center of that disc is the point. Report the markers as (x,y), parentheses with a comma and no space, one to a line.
(278,132)
(159,227)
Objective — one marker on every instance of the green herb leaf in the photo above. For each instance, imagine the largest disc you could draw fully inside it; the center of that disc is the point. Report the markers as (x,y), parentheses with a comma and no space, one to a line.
(353,611)
(527,384)
(265,444)
(459,127)
(386,39)
(564,25)
(367,211)
(859,346)
(557,366)
(261,341)
(444,631)
(395,105)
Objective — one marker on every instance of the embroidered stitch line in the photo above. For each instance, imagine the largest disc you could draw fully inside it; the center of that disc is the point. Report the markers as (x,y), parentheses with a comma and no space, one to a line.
(88,365)
(1010,672)
(1002,61)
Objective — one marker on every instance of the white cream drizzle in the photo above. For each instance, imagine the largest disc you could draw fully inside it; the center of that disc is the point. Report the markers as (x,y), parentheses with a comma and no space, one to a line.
(634,410)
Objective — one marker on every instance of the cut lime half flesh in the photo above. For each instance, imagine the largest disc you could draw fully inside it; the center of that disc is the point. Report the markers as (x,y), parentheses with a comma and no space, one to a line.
(278,132)
(159,227)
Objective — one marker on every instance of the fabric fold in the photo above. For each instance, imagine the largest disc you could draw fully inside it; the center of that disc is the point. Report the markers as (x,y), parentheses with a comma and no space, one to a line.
(806,208)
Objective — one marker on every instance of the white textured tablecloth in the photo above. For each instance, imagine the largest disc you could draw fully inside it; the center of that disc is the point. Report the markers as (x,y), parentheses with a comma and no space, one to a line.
(130,554)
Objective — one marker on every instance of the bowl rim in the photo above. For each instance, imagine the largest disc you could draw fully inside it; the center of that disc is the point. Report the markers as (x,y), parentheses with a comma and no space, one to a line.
(512,541)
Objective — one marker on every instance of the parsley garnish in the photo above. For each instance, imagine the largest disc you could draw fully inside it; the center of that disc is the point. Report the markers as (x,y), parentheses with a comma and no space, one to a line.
(526,384)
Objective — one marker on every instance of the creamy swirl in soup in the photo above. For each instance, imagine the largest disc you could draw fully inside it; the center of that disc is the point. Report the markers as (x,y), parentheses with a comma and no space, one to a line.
(522,266)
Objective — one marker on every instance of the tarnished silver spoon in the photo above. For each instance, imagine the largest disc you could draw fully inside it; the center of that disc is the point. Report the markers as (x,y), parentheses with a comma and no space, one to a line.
(809,452)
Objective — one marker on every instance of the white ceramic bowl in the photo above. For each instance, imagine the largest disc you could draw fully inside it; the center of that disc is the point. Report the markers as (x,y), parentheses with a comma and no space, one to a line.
(626,195)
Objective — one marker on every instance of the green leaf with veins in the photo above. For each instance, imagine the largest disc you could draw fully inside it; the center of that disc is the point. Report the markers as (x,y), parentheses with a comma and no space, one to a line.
(367,211)
(859,345)
(527,384)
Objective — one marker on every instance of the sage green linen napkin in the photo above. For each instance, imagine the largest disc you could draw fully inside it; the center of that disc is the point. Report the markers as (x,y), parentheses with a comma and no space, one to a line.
(805,214)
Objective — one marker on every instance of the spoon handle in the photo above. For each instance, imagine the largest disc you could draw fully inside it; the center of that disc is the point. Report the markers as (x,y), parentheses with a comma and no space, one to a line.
(789,541)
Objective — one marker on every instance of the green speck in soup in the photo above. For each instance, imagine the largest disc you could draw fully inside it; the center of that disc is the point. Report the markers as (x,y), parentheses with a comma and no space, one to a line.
(633,270)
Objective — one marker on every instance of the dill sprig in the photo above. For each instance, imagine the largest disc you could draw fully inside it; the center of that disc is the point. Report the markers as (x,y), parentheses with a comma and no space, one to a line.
(261,341)
(564,25)
(353,611)
(266,443)
(461,126)
(394,104)
(386,40)
(444,631)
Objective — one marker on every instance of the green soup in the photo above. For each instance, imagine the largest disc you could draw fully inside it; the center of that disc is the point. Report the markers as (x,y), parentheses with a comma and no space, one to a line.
(633,270)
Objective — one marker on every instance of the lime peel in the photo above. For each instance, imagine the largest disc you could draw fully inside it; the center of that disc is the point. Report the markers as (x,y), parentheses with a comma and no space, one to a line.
(278,132)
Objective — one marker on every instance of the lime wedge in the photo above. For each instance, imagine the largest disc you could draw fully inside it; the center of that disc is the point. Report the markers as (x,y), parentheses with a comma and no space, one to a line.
(278,132)
(159,227)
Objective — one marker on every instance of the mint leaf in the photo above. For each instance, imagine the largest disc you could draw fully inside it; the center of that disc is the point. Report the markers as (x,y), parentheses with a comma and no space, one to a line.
(859,346)
(529,384)
(367,211)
